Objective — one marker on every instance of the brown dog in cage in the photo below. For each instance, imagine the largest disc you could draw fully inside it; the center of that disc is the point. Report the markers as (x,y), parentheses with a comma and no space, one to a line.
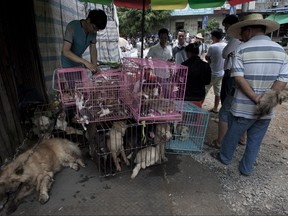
(153,154)
(34,170)
(115,142)
(270,99)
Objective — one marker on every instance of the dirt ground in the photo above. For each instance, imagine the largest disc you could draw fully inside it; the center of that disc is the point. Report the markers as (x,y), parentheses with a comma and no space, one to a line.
(193,184)
(277,130)
(265,191)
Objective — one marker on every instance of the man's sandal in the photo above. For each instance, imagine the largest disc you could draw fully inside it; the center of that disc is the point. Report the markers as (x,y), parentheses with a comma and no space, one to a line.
(214,144)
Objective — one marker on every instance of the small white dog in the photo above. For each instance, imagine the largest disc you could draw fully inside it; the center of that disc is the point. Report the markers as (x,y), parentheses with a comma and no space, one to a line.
(153,154)
(183,132)
(115,142)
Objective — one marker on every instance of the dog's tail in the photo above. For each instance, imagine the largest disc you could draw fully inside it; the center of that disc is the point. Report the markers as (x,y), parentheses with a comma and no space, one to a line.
(136,170)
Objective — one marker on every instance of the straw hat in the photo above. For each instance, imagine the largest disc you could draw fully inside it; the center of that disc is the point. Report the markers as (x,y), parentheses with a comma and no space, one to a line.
(252,19)
(199,35)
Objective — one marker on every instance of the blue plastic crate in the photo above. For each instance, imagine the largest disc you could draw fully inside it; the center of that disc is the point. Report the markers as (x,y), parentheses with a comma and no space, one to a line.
(189,134)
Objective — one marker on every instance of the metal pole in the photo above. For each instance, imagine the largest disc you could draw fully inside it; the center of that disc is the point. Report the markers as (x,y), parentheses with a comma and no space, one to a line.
(245,7)
(142,28)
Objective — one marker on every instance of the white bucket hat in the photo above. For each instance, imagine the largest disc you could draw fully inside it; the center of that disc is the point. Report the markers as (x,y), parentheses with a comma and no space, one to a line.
(199,35)
(250,20)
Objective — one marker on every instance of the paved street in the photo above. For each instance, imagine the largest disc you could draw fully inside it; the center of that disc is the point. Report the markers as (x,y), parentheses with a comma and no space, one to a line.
(179,187)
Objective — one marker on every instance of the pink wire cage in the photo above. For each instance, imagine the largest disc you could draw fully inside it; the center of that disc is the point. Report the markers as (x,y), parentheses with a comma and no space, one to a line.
(66,79)
(155,89)
(101,97)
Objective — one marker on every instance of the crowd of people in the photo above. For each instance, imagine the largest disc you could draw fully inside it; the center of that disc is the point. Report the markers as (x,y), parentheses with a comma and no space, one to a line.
(240,68)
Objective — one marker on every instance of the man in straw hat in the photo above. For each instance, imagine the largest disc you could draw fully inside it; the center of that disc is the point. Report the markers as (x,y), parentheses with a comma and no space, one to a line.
(258,64)
(202,46)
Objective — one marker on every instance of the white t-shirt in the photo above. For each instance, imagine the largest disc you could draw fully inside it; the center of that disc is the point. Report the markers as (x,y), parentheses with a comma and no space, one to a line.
(217,61)
(157,51)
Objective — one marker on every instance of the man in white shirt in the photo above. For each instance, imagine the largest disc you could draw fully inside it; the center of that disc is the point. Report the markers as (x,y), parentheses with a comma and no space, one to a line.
(178,50)
(216,61)
(161,50)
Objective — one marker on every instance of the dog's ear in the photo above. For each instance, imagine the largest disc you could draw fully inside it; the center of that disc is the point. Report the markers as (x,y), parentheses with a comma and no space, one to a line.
(19,170)
(282,96)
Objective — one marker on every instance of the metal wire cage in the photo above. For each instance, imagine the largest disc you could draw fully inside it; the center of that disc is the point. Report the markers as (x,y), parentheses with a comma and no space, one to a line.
(101,99)
(155,89)
(66,78)
(189,134)
(52,120)
(119,146)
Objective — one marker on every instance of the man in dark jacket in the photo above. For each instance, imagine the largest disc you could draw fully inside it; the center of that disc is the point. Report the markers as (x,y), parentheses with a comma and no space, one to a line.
(199,74)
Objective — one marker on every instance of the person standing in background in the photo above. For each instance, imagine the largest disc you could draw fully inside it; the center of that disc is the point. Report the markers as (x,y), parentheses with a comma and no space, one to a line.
(80,34)
(202,46)
(161,50)
(228,85)
(214,58)
(178,51)
(199,75)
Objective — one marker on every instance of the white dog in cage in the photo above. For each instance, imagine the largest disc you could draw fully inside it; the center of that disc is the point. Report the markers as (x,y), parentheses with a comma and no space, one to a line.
(153,154)
(115,142)
(183,132)
(84,114)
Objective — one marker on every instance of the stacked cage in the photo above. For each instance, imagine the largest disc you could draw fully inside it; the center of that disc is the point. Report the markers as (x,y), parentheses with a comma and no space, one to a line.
(51,120)
(66,78)
(100,99)
(155,89)
(126,146)
(189,134)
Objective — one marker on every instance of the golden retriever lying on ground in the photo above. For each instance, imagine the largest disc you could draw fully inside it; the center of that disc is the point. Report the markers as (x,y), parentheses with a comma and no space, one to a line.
(34,170)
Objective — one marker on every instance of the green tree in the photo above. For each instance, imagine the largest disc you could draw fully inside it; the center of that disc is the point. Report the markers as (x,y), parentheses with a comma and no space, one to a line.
(212,24)
(130,21)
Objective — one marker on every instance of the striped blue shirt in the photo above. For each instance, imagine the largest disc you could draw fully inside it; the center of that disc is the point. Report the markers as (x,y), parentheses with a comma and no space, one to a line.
(261,62)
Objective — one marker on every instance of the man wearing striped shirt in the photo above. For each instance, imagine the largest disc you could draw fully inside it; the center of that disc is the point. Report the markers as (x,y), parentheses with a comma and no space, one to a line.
(258,64)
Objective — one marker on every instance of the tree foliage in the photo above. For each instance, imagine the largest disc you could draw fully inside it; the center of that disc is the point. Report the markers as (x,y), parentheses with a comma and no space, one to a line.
(212,24)
(130,21)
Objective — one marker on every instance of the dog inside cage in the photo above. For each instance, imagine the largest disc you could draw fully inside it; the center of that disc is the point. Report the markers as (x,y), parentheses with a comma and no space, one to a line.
(50,121)
(125,146)
(189,134)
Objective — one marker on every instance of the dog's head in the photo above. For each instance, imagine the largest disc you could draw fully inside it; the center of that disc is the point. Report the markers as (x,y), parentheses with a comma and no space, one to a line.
(10,181)
(183,131)
(163,131)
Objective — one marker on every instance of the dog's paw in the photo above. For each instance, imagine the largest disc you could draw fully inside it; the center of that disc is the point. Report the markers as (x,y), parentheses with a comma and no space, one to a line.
(118,168)
(164,159)
(81,163)
(11,208)
(74,166)
(43,198)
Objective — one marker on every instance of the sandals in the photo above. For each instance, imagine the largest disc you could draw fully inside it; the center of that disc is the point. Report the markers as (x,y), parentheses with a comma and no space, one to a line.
(216,155)
(213,111)
(241,143)
(214,144)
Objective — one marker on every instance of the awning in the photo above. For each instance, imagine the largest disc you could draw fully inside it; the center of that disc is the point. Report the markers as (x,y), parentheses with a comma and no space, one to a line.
(235,2)
(280,18)
(162,4)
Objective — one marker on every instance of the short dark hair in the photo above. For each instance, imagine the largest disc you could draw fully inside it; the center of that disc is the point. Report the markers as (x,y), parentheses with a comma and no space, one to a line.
(182,30)
(230,19)
(218,33)
(99,18)
(192,48)
(163,31)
